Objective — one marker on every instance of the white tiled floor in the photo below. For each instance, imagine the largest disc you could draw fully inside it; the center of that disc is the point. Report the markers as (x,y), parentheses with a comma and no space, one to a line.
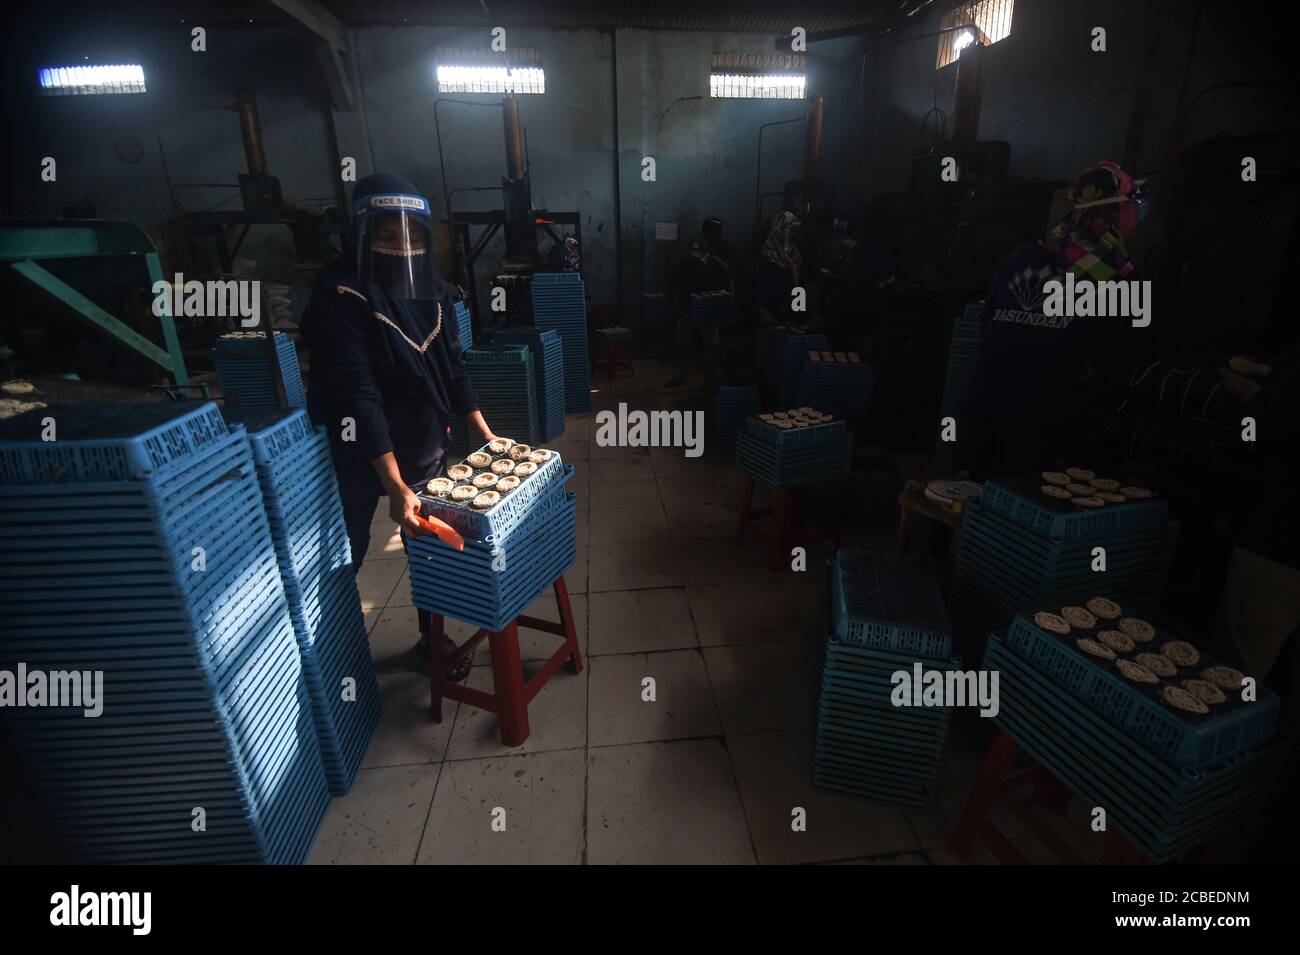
(709,771)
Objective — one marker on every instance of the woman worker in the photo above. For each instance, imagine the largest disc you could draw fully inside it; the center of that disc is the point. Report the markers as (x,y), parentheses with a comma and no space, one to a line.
(386,371)
(1030,370)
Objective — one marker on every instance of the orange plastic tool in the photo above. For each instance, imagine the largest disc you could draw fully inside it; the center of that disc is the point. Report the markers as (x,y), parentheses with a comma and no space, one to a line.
(445,532)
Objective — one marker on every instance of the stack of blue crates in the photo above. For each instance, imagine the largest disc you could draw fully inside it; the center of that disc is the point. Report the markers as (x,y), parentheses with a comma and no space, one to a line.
(787,347)
(247,373)
(731,406)
(837,387)
(871,491)
(296,472)
(513,551)
(795,456)
(560,304)
(505,382)
(967,336)
(464,327)
(1168,780)
(548,367)
(1020,550)
(886,615)
(136,544)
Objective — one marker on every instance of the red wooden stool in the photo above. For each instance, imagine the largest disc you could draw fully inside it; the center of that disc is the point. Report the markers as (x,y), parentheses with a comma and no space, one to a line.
(1048,790)
(781,537)
(511,695)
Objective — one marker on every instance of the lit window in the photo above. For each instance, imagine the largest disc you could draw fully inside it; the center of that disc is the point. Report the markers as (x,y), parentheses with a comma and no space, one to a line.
(989,21)
(757,76)
(481,71)
(91,80)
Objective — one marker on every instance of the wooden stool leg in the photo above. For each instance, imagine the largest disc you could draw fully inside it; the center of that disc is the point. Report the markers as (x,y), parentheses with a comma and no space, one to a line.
(570,630)
(985,792)
(746,502)
(508,685)
(904,527)
(783,532)
(437,666)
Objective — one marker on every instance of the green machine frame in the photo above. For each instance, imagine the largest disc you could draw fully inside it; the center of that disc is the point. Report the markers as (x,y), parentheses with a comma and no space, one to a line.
(24,245)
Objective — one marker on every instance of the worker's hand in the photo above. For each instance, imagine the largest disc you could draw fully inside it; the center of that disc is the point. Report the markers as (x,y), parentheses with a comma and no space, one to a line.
(404,508)
(1239,386)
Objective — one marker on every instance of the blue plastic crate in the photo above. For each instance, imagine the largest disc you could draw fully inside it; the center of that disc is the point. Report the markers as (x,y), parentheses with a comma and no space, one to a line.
(1163,809)
(1184,739)
(497,521)
(1020,499)
(464,585)
(791,467)
(887,601)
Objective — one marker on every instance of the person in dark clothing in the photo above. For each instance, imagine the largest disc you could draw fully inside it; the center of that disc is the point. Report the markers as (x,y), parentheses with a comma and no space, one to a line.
(698,271)
(386,368)
(1031,366)
(777,273)
(711,230)
(1260,608)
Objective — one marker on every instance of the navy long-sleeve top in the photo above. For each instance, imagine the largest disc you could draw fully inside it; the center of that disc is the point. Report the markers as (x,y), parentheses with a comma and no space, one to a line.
(394,369)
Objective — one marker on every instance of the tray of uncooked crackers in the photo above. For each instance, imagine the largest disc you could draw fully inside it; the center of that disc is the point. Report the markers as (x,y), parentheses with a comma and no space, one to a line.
(489,492)
(1178,702)
(796,426)
(1075,503)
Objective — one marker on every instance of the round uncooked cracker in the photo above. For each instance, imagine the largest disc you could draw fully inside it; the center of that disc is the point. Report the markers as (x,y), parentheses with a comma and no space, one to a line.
(479,459)
(1056,477)
(500,445)
(540,456)
(485,480)
(1116,641)
(1104,607)
(440,487)
(785,423)
(1079,618)
(1135,672)
(1204,691)
(485,500)
(766,417)
(1182,653)
(779,415)
(519,452)
(1060,493)
(1088,501)
(1051,623)
(463,492)
(1181,699)
(805,410)
(460,472)
(1080,474)
(507,484)
(1139,630)
(502,466)
(525,468)
(1093,648)
(1158,664)
(1135,492)
(1104,484)
(1225,678)
(1110,497)
(1082,490)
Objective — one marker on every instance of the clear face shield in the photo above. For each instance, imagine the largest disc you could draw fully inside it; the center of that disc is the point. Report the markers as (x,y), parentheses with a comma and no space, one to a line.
(395,245)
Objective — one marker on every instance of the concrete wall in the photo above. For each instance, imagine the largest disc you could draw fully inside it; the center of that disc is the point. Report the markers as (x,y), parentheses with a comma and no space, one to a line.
(706,150)
(1062,106)
(185,111)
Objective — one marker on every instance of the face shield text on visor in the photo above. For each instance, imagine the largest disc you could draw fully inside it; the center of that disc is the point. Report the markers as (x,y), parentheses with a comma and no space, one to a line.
(395,245)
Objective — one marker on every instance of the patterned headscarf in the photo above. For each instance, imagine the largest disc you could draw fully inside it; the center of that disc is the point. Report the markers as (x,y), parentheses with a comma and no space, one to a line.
(779,246)
(1089,241)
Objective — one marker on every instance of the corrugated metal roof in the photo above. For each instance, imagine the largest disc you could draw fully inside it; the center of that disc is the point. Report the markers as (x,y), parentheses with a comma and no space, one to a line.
(749,16)
(740,16)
